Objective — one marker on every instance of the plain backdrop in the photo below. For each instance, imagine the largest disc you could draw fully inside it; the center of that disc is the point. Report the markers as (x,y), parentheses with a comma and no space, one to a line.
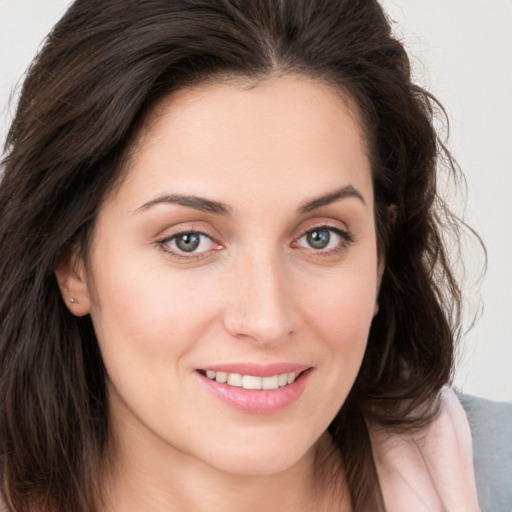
(461,50)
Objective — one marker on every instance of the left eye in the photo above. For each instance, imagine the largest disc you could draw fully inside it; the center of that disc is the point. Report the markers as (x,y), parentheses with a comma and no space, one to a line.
(189,242)
(323,239)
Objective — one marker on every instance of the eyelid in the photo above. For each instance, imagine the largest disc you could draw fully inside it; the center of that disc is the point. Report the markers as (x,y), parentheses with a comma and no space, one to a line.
(163,240)
(327,224)
(346,236)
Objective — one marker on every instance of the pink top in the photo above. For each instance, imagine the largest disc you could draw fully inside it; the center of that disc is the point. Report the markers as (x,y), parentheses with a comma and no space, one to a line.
(431,470)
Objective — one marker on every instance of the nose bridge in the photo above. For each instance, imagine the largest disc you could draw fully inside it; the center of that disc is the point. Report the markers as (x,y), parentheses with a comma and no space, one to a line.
(261,305)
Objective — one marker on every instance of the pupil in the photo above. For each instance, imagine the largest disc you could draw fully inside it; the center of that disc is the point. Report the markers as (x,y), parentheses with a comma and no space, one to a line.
(188,242)
(319,239)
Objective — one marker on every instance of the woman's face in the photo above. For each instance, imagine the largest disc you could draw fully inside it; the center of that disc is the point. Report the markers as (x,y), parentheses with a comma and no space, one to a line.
(240,246)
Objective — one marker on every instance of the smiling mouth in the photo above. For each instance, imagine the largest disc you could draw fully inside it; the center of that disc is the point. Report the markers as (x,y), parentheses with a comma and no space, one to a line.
(272,389)
(252,382)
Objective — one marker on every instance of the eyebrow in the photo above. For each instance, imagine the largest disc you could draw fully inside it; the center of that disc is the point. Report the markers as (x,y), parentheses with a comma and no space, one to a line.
(218,208)
(197,203)
(343,193)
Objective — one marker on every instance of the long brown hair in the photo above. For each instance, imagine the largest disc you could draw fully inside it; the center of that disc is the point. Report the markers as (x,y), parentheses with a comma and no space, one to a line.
(101,69)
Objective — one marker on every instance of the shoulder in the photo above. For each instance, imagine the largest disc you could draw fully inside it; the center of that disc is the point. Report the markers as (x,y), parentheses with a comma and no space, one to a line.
(429,470)
(491,432)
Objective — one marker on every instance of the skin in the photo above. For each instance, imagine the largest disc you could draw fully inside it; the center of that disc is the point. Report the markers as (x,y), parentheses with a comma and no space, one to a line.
(255,290)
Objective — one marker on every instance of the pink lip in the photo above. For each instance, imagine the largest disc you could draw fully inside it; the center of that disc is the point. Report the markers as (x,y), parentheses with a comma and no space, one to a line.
(258,401)
(257,370)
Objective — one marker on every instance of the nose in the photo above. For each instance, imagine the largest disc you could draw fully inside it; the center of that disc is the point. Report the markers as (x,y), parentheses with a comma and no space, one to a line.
(261,303)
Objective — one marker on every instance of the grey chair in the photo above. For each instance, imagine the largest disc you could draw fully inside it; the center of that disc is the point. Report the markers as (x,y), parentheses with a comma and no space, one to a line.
(491,430)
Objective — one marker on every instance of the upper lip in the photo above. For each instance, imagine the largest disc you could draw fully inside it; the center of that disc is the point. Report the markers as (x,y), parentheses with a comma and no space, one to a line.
(257,370)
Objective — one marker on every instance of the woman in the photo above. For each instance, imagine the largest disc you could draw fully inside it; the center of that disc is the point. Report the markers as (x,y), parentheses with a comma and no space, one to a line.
(223,276)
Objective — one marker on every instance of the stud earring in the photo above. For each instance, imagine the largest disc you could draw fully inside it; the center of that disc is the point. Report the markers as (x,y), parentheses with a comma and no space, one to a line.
(73,300)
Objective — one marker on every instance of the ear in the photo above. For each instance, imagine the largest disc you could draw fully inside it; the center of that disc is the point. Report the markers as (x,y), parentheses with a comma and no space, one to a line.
(71,277)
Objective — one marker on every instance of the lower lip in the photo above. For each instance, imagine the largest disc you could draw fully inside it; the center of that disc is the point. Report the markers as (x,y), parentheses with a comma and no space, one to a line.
(258,401)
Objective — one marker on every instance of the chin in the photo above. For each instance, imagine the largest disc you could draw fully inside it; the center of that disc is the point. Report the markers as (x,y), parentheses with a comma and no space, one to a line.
(262,457)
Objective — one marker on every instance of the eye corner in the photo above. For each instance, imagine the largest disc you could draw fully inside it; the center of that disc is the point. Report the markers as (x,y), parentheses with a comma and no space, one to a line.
(200,244)
(329,239)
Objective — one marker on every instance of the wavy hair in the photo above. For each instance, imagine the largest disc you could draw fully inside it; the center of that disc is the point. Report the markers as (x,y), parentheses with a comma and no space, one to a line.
(100,71)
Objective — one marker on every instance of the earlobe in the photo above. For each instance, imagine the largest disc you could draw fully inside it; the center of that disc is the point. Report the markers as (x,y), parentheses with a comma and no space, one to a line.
(71,277)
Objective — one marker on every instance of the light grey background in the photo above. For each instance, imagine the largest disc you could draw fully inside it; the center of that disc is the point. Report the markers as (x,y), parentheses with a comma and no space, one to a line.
(462,52)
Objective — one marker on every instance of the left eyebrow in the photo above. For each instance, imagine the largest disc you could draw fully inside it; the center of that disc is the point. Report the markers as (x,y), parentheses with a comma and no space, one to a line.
(194,202)
(343,193)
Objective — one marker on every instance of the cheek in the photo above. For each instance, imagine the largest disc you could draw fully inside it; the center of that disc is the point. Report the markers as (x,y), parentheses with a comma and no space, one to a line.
(343,307)
(149,313)
(340,315)
(147,326)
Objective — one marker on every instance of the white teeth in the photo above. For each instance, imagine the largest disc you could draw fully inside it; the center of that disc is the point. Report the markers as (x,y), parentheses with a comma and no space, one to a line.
(235,379)
(220,377)
(270,382)
(251,381)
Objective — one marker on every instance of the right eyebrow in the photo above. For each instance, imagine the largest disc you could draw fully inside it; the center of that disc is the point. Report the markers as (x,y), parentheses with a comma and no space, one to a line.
(197,203)
(331,197)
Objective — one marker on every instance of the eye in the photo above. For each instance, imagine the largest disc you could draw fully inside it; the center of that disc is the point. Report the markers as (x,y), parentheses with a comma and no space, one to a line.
(188,242)
(325,239)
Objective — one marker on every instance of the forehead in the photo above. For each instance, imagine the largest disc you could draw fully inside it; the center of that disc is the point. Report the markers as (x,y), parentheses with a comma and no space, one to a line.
(292,135)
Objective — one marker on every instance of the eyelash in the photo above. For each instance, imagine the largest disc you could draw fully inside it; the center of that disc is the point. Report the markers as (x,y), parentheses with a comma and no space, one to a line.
(346,240)
(183,255)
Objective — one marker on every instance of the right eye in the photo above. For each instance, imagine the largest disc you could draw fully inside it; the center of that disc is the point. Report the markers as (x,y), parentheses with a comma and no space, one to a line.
(188,242)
